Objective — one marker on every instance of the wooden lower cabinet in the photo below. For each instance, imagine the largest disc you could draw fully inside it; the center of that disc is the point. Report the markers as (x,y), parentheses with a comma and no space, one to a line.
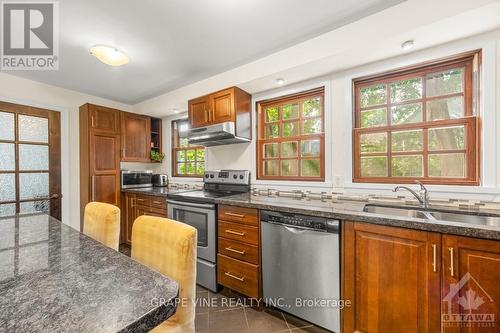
(238,259)
(392,277)
(402,280)
(238,275)
(136,205)
(474,266)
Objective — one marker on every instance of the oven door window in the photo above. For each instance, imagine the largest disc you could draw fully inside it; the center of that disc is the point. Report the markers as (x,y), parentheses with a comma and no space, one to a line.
(197,220)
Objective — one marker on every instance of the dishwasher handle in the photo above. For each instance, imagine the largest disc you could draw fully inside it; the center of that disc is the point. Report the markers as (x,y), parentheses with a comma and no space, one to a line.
(332,227)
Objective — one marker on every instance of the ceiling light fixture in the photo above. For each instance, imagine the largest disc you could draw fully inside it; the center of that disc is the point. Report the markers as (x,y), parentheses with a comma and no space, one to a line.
(280,81)
(176,110)
(109,55)
(407,45)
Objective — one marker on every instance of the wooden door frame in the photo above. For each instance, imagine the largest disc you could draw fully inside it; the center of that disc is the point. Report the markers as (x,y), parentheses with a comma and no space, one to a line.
(54,144)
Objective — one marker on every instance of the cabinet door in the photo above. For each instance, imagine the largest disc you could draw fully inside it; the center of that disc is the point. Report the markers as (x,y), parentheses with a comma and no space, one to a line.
(471,285)
(199,112)
(136,137)
(392,277)
(105,168)
(222,108)
(104,119)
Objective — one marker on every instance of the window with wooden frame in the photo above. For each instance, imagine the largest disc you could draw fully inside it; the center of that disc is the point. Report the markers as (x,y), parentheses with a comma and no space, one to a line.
(418,123)
(291,140)
(187,160)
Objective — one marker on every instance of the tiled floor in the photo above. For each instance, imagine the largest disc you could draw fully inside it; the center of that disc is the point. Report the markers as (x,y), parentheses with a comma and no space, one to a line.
(229,312)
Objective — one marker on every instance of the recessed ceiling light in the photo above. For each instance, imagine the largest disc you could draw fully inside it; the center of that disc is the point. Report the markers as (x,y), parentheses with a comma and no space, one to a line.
(280,81)
(407,45)
(176,110)
(109,55)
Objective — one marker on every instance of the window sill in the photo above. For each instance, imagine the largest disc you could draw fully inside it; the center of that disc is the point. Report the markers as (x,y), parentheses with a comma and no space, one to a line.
(432,188)
(291,183)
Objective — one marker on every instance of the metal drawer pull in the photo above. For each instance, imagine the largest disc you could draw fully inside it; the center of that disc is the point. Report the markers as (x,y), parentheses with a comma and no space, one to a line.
(141,199)
(157,202)
(235,215)
(235,251)
(235,277)
(452,265)
(434,257)
(229,231)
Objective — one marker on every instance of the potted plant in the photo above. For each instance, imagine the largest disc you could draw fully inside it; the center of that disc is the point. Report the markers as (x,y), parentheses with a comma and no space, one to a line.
(157,156)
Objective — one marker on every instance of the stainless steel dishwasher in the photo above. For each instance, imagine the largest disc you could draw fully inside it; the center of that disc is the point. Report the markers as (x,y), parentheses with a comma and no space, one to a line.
(301,266)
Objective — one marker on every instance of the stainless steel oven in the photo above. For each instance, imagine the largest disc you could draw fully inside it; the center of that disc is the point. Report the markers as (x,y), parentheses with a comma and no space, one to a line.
(202,217)
(198,209)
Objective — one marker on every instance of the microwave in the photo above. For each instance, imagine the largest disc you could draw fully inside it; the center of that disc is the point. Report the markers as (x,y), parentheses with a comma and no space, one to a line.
(133,179)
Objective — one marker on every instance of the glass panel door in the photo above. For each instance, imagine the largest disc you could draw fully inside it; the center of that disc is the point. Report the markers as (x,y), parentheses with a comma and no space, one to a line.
(30,144)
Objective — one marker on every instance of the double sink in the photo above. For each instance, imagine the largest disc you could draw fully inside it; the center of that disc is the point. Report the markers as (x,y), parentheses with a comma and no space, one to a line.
(433,215)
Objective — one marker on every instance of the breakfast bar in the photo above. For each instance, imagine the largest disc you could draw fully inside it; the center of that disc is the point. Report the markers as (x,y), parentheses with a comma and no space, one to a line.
(56,279)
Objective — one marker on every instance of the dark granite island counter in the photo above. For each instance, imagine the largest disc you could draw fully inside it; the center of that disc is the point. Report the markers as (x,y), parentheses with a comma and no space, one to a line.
(55,279)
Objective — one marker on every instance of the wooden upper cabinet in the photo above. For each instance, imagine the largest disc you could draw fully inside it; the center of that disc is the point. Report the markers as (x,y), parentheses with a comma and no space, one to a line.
(472,265)
(135,137)
(222,106)
(199,112)
(231,104)
(392,277)
(104,119)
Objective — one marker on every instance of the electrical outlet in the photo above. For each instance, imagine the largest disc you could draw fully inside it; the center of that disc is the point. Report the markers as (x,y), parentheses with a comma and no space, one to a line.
(338,181)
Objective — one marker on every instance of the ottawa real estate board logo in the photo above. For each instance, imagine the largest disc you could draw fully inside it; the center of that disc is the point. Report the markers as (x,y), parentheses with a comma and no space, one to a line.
(467,304)
(30,35)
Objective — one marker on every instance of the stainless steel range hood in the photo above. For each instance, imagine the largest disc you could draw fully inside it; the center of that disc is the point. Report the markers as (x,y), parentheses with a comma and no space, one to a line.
(213,135)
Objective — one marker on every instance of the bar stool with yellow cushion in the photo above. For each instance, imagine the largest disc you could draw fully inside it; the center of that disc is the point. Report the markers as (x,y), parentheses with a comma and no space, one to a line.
(101,221)
(169,247)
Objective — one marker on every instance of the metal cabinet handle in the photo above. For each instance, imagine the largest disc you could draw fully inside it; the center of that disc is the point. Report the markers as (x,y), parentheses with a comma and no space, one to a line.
(434,257)
(234,215)
(92,121)
(452,265)
(157,202)
(234,276)
(141,200)
(229,231)
(235,251)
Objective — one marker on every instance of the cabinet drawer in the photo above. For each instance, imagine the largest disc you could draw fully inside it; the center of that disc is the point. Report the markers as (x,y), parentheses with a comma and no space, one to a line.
(238,275)
(159,212)
(239,214)
(158,202)
(239,232)
(238,250)
(143,200)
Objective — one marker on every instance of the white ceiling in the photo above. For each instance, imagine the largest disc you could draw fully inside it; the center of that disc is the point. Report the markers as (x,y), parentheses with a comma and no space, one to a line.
(177,42)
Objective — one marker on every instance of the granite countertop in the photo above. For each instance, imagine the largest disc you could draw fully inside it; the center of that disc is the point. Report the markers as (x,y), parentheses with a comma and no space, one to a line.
(353,210)
(55,279)
(154,191)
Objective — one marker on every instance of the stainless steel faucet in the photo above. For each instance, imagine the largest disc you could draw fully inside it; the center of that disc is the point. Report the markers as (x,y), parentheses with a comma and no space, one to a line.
(422,195)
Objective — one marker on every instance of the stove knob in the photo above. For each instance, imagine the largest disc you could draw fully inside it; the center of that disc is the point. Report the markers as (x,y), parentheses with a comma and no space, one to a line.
(206,176)
(212,176)
(234,176)
(241,177)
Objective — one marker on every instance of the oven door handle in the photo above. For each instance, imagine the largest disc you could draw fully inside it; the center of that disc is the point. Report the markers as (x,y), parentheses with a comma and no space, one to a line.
(190,204)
